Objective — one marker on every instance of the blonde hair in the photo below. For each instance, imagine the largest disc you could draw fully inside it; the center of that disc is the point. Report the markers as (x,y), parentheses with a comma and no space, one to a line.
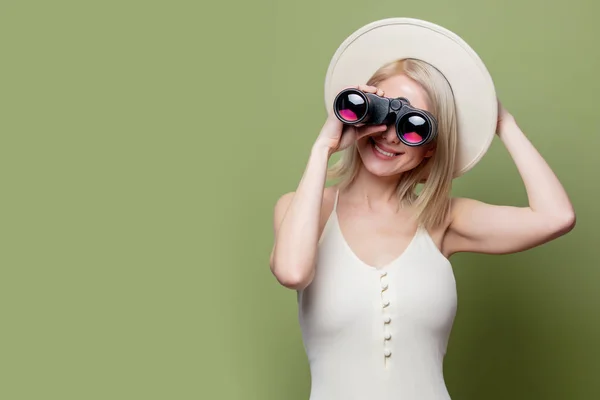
(436,172)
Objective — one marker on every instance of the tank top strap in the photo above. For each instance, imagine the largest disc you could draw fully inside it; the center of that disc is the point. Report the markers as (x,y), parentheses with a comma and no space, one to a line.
(337,196)
(330,219)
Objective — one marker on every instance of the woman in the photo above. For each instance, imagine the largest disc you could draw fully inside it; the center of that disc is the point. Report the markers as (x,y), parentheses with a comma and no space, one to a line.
(369,257)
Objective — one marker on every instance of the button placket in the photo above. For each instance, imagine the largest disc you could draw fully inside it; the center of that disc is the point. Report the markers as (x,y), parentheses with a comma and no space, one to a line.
(385,304)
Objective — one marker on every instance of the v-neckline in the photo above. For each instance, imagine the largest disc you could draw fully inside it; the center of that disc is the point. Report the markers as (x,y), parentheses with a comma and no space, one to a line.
(384,267)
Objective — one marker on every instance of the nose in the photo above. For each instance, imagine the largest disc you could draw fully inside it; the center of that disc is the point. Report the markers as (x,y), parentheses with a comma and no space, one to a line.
(389,135)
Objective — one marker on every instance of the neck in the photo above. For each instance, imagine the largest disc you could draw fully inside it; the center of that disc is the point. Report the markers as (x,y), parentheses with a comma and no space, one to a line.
(373,190)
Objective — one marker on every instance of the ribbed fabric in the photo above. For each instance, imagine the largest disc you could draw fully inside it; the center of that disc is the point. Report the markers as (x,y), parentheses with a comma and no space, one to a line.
(377,333)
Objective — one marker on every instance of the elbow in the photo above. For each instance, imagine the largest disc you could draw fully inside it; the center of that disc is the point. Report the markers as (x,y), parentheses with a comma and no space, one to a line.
(294,282)
(292,276)
(564,223)
(569,222)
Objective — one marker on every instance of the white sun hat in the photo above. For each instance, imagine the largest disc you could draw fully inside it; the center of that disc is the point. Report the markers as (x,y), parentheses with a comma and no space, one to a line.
(387,40)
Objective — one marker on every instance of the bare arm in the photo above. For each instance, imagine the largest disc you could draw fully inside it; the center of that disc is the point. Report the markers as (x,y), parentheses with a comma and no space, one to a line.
(494,229)
(297,215)
(297,225)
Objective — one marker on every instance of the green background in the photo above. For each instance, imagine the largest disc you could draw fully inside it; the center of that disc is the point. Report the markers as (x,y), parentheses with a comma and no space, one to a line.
(144,144)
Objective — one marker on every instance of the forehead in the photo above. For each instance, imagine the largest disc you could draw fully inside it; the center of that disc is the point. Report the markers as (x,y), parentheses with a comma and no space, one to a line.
(403,86)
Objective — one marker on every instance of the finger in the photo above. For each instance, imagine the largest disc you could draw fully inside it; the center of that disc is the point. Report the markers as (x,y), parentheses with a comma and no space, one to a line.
(367,88)
(372,89)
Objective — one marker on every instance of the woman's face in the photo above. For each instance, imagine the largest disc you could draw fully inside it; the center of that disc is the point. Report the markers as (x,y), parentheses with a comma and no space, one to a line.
(383,154)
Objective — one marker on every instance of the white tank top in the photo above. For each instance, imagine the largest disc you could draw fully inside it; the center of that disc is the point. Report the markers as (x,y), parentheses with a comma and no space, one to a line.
(377,333)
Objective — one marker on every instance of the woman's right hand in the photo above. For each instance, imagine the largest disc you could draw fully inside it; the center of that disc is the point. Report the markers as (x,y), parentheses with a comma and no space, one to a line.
(336,136)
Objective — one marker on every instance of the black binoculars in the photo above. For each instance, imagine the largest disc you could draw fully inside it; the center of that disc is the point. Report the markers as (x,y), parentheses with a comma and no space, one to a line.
(414,127)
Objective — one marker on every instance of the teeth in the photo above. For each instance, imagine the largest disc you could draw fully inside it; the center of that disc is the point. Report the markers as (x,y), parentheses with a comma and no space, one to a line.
(385,153)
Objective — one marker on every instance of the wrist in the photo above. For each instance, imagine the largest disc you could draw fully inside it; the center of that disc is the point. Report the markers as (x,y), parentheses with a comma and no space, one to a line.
(321,150)
(507,126)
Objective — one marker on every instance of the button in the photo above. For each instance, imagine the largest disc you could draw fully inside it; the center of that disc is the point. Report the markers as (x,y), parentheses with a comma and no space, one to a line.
(386,303)
(387,319)
(384,286)
(387,352)
(383,273)
(388,336)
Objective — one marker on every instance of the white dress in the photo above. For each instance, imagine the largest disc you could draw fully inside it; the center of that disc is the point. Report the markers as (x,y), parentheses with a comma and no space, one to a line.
(377,333)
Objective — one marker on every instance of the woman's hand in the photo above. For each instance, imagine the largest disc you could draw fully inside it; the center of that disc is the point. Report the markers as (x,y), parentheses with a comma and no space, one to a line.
(503,117)
(336,136)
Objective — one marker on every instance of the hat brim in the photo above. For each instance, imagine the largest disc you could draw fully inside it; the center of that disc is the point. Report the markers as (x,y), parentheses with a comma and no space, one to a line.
(387,40)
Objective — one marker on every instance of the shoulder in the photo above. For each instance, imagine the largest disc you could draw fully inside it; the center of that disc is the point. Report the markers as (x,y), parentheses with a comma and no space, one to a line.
(464,222)
(460,202)
(445,235)
(280,209)
(457,206)
(283,202)
(285,199)
(462,209)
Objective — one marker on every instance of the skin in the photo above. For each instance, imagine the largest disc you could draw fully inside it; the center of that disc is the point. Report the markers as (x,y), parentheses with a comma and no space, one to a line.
(385,229)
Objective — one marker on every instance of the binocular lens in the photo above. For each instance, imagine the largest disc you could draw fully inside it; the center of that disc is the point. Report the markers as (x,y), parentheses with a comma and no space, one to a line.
(413,128)
(351,106)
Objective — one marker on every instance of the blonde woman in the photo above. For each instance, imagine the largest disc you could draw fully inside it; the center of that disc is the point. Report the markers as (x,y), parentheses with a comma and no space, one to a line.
(369,257)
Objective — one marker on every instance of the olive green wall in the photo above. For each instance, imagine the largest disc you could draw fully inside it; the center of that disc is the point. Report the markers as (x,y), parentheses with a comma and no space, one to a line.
(144,143)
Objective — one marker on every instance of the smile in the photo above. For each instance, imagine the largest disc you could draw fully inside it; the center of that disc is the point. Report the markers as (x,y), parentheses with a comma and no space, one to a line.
(382,152)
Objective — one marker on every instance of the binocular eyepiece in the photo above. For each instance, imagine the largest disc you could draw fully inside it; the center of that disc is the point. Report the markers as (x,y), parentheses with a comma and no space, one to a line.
(414,127)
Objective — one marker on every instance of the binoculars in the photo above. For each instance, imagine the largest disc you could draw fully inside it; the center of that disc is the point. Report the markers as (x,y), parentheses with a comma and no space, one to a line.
(414,127)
